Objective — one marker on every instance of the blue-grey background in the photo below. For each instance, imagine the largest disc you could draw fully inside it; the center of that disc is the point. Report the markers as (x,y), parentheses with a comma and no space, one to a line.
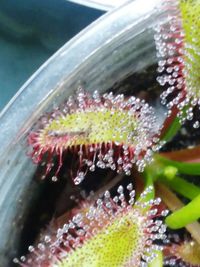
(30,32)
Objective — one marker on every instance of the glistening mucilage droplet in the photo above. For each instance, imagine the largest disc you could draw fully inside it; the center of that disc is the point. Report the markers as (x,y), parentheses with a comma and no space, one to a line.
(105,131)
(177,41)
(111,231)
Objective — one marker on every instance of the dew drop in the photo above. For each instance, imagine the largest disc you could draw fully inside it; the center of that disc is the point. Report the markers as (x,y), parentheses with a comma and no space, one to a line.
(79,178)
(54,178)
(196,124)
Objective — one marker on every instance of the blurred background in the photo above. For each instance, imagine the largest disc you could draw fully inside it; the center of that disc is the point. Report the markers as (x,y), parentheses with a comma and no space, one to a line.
(31,31)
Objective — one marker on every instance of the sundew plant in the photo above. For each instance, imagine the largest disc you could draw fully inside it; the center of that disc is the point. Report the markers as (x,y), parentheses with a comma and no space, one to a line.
(148,213)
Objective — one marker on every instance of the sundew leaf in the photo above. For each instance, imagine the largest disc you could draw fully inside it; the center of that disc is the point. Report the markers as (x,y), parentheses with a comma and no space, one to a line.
(178,50)
(189,252)
(103,131)
(113,246)
(113,231)
(190,11)
(186,253)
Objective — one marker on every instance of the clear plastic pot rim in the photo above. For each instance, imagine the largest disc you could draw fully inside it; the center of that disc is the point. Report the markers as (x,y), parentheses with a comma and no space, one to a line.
(105,5)
(102,47)
(43,82)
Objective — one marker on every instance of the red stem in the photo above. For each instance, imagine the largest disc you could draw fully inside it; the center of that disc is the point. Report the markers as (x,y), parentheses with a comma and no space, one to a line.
(191,155)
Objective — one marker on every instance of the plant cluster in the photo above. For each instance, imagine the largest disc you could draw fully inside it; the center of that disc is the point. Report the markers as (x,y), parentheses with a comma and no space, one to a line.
(121,134)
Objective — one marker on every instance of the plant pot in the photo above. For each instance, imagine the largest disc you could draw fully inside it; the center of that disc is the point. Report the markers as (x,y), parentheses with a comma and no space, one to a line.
(117,46)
